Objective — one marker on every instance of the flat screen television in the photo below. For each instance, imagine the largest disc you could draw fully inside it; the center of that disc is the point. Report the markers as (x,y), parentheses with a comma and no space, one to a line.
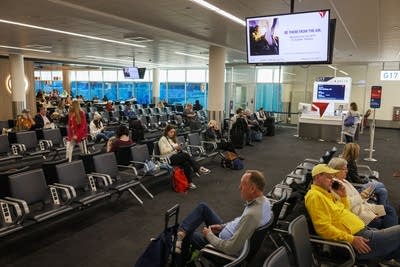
(297,38)
(331,91)
(131,73)
(141,71)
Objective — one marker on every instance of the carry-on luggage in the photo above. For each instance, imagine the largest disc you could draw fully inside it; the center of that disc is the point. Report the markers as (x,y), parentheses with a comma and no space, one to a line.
(159,253)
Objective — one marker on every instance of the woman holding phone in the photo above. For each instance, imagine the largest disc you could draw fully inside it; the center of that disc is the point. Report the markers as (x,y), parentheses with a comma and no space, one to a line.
(376,216)
(168,146)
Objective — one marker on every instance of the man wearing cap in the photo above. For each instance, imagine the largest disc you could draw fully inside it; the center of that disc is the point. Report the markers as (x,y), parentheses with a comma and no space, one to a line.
(333,220)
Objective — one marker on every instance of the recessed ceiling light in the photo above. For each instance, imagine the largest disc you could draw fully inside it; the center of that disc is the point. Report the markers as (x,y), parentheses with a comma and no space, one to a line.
(191,55)
(68,33)
(26,49)
(219,11)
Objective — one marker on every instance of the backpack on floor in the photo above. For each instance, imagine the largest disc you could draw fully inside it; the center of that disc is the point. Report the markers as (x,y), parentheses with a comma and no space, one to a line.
(232,161)
(179,181)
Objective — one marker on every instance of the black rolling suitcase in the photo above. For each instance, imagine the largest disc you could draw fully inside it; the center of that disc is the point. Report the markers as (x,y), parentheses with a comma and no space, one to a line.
(159,253)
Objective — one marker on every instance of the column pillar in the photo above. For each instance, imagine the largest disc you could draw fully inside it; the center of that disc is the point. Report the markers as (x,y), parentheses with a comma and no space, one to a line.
(216,83)
(156,86)
(17,83)
(66,76)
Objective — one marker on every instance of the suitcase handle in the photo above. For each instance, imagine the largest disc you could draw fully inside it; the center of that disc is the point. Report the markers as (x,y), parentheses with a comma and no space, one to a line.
(174,211)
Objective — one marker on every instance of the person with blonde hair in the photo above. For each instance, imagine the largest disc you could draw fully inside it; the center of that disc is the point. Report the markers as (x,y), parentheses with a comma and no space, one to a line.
(77,129)
(213,134)
(25,122)
(351,152)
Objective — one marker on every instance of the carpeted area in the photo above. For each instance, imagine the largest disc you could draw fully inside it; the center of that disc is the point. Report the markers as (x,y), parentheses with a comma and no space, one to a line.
(116,232)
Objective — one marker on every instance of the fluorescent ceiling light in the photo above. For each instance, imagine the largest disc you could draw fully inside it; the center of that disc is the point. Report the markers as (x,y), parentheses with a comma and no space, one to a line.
(121,60)
(289,73)
(27,49)
(345,73)
(332,67)
(190,55)
(219,11)
(68,33)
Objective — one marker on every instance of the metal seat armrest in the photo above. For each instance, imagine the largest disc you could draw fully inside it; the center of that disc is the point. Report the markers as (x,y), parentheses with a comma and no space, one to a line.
(17,209)
(341,244)
(209,142)
(108,177)
(311,161)
(22,203)
(92,179)
(69,187)
(130,167)
(18,148)
(202,150)
(54,194)
(211,250)
(45,144)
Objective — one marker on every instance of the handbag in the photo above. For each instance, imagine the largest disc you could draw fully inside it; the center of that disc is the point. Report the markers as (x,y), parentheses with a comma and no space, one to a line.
(349,121)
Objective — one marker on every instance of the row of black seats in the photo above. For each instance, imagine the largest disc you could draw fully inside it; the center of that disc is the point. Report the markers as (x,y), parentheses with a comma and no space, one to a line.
(59,187)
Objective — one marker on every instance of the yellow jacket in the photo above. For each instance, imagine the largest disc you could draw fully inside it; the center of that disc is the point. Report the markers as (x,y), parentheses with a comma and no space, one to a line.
(332,219)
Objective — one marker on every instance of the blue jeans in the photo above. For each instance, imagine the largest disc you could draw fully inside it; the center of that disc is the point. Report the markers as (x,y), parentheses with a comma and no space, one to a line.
(384,243)
(104,135)
(390,219)
(201,214)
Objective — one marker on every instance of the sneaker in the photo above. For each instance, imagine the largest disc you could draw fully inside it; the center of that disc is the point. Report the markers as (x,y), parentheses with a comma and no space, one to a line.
(192,186)
(178,247)
(204,170)
(390,263)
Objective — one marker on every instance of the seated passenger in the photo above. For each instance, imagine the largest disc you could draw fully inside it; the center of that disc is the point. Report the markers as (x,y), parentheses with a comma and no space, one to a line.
(261,116)
(197,106)
(25,121)
(97,130)
(213,134)
(228,237)
(122,139)
(42,120)
(128,111)
(376,216)
(191,117)
(351,152)
(333,220)
(168,146)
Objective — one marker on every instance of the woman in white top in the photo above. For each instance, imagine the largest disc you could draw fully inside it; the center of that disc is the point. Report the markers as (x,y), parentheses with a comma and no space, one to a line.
(97,130)
(376,216)
(168,146)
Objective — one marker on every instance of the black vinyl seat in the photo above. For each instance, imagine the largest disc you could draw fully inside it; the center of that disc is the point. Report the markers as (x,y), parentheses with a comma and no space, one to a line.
(278,258)
(85,188)
(4,182)
(58,144)
(49,170)
(5,153)
(140,155)
(43,201)
(122,181)
(32,147)
(249,249)
(197,148)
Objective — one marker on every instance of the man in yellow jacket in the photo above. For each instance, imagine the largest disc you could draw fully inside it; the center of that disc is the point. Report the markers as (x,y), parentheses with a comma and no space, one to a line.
(333,220)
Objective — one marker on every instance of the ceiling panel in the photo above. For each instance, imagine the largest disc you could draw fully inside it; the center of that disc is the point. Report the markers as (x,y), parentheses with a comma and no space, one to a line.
(367,30)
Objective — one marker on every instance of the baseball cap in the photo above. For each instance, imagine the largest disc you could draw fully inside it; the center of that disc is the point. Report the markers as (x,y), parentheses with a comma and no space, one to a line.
(322,168)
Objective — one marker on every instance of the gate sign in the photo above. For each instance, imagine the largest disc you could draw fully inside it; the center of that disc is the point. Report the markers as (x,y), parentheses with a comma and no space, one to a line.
(376,95)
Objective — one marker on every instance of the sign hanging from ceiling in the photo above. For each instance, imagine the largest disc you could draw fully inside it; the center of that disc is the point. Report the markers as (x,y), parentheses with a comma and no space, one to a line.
(390,75)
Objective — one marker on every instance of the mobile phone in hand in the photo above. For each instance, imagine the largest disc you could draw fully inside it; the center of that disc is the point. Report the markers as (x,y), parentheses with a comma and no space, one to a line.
(335,185)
